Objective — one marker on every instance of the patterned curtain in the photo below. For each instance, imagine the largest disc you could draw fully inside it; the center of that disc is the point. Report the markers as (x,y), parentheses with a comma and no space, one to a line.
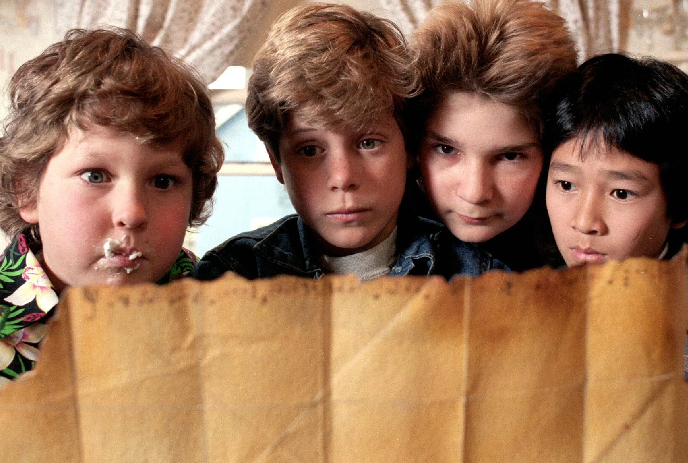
(598,26)
(208,34)
(213,34)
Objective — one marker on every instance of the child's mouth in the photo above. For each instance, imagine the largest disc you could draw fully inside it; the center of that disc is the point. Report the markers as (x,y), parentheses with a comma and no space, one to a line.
(119,255)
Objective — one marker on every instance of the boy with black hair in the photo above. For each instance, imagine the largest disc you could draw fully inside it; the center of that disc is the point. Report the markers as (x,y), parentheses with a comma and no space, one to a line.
(617,176)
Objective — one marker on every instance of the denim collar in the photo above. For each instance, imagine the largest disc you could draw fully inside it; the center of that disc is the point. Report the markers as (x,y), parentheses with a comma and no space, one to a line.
(294,247)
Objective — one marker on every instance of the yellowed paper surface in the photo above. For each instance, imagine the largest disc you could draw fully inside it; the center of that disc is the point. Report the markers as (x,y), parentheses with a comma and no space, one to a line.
(579,365)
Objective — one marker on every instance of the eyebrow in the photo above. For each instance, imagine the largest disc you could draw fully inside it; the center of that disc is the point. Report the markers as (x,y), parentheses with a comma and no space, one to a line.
(502,149)
(632,175)
(563,167)
(300,131)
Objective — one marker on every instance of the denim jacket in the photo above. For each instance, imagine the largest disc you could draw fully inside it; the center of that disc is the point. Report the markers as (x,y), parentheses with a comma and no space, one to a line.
(287,247)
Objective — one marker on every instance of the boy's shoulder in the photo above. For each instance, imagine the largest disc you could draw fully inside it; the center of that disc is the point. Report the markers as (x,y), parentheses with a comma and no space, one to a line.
(427,247)
(24,284)
(283,235)
(27,301)
(185,262)
(415,248)
(281,248)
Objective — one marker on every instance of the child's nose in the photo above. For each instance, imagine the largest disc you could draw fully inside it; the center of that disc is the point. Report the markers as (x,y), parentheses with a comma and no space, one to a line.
(343,167)
(129,209)
(589,216)
(475,183)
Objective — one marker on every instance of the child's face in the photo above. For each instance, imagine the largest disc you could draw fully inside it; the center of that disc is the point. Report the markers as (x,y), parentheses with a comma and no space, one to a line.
(347,184)
(102,187)
(480,161)
(610,205)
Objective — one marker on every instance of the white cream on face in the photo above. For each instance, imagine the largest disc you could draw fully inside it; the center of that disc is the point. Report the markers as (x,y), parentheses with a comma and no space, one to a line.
(113,247)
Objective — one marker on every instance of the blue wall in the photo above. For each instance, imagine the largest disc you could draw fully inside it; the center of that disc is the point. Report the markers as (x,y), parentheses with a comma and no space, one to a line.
(242,202)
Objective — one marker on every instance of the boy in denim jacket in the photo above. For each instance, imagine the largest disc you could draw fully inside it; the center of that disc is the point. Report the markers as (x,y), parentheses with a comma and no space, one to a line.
(486,68)
(326,97)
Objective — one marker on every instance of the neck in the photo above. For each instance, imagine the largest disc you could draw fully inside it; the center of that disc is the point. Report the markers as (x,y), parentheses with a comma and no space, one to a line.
(367,265)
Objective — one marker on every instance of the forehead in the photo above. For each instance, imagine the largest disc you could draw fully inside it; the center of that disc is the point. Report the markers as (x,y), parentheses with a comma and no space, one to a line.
(475,103)
(471,114)
(109,143)
(299,124)
(594,159)
(95,133)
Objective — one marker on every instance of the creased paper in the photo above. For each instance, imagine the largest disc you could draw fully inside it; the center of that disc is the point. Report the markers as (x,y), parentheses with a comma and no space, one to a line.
(576,365)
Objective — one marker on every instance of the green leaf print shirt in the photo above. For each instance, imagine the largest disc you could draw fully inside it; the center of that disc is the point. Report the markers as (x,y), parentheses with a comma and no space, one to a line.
(27,301)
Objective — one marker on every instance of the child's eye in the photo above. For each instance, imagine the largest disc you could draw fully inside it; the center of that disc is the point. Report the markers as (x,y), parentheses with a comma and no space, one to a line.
(369,144)
(164,182)
(622,195)
(445,149)
(94,176)
(512,156)
(564,185)
(309,151)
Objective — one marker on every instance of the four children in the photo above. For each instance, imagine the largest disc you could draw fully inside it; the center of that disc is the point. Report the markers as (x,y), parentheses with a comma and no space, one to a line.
(110,153)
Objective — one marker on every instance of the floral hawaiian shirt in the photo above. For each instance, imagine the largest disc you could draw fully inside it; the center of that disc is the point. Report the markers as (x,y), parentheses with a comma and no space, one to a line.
(27,300)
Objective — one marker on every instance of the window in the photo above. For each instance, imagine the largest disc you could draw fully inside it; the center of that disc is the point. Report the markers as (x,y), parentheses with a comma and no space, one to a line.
(248,194)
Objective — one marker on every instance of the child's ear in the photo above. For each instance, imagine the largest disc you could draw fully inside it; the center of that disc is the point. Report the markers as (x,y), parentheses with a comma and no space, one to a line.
(28,207)
(677,225)
(275,165)
(29,212)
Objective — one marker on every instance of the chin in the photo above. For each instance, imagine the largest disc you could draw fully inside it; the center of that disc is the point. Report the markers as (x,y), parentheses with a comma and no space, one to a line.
(474,238)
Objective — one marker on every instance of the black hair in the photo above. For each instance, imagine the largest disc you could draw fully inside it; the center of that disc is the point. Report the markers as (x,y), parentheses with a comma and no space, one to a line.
(639,106)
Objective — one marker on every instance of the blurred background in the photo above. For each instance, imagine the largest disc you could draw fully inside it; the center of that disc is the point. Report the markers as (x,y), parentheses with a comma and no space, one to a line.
(219,38)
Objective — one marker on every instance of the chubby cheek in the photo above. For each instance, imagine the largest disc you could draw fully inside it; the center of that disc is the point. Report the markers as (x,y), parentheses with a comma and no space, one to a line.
(73,223)
(170,222)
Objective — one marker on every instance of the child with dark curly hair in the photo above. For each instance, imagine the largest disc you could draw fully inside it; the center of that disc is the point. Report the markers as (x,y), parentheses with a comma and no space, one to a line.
(109,154)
